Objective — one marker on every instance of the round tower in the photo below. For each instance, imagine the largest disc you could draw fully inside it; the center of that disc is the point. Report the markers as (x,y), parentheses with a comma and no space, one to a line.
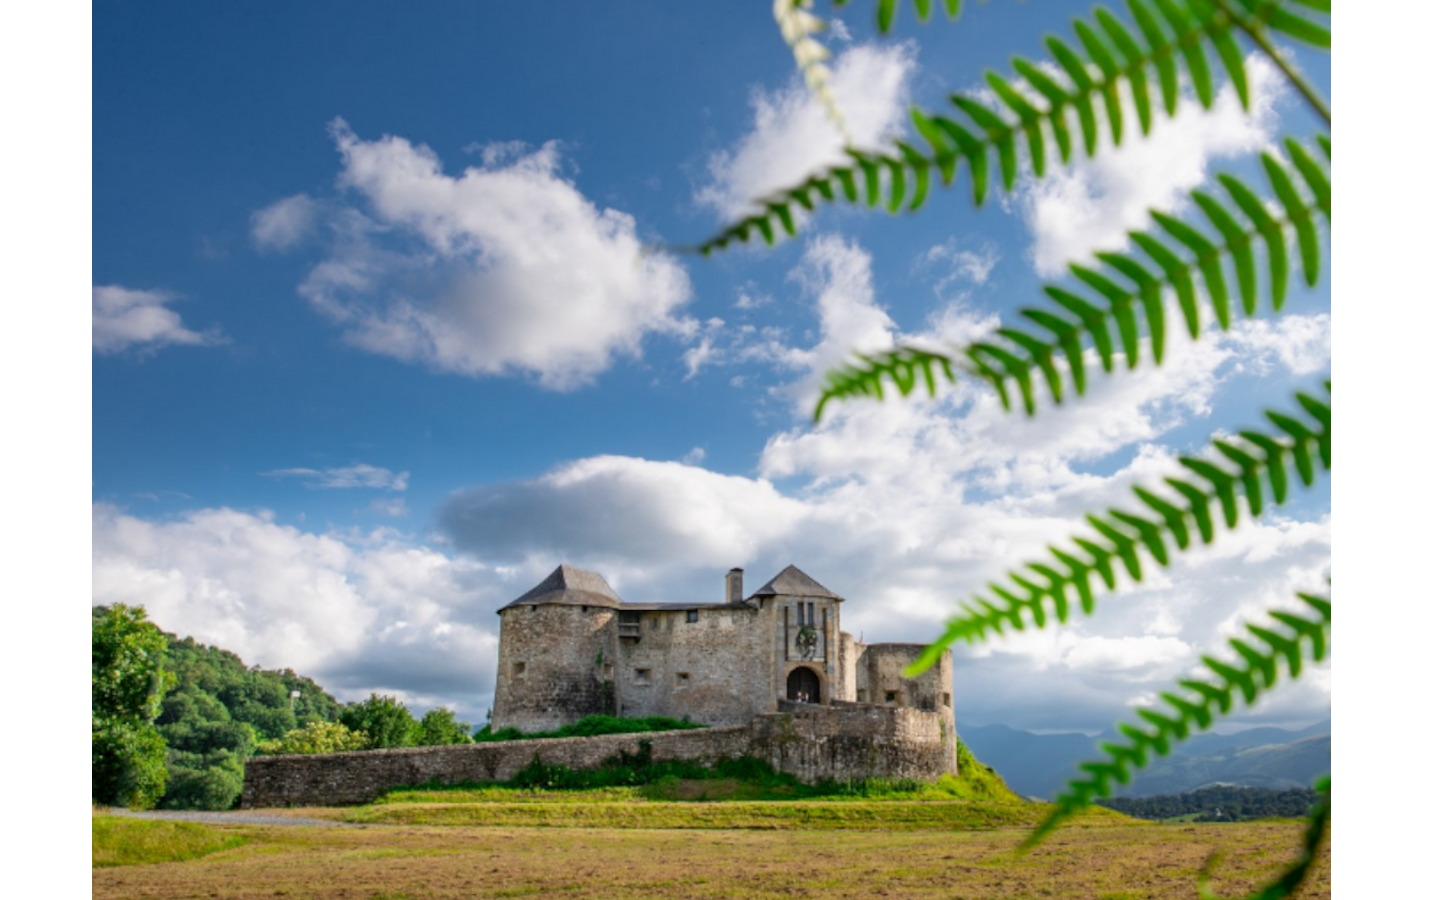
(557,652)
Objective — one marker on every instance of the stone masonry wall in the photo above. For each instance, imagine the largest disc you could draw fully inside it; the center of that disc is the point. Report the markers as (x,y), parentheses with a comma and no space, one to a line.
(813,743)
(849,742)
(359,777)
(713,670)
(552,666)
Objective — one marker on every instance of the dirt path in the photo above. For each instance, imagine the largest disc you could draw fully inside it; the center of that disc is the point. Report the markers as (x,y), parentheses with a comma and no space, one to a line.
(228,817)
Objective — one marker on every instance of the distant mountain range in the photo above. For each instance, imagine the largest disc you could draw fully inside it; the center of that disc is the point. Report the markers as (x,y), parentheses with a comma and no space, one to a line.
(1039,765)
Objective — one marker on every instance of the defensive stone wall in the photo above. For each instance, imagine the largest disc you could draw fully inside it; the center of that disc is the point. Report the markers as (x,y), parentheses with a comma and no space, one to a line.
(359,777)
(848,742)
(813,743)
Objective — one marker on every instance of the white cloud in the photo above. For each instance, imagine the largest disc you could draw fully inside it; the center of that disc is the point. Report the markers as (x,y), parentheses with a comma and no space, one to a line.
(906,507)
(394,507)
(1299,343)
(121,319)
(959,266)
(359,475)
(357,612)
(285,223)
(505,268)
(791,136)
(1092,203)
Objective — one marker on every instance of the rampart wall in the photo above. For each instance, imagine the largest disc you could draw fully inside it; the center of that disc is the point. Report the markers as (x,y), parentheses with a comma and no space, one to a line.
(841,742)
(848,742)
(331,779)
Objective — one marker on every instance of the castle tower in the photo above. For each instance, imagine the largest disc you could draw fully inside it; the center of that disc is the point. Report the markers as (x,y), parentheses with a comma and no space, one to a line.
(557,652)
(808,658)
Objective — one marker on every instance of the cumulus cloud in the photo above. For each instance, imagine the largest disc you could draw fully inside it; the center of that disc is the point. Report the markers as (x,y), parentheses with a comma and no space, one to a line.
(504,268)
(905,506)
(359,475)
(1092,203)
(123,319)
(357,612)
(285,223)
(791,137)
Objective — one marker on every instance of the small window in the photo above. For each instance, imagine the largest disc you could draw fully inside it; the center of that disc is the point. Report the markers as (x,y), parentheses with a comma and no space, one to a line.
(584,609)
(889,696)
(947,699)
(860,695)
(517,669)
(692,615)
(607,672)
(532,608)
(682,678)
(642,676)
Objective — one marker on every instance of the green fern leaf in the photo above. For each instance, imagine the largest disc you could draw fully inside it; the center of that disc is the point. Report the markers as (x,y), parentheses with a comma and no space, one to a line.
(1122,534)
(1134,64)
(1299,217)
(1268,229)
(1254,673)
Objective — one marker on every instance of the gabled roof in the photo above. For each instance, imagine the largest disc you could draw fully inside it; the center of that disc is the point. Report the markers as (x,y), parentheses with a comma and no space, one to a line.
(572,587)
(794,583)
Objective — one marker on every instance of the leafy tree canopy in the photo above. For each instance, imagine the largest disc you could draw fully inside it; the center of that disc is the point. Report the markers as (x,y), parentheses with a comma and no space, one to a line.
(127,680)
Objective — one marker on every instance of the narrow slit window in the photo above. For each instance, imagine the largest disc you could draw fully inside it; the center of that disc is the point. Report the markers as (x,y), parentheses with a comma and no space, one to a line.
(517,669)
(682,678)
(889,696)
(642,676)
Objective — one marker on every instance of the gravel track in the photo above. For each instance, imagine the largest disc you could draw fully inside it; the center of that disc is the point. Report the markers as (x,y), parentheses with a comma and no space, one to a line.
(228,817)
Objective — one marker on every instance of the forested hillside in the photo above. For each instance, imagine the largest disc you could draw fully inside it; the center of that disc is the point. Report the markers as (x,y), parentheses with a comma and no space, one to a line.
(1221,803)
(218,712)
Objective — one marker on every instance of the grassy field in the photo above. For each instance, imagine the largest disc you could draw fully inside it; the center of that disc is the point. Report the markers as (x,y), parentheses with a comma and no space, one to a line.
(627,849)
(116,841)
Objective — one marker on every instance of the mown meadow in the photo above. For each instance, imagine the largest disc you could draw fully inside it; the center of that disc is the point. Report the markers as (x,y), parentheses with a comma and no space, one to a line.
(688,838)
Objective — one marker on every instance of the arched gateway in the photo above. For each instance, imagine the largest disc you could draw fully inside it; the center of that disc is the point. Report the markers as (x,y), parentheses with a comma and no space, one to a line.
(803,685)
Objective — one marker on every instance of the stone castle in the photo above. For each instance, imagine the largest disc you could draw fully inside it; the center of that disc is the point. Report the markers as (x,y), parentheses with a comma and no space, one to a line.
(772,675)
(570,647)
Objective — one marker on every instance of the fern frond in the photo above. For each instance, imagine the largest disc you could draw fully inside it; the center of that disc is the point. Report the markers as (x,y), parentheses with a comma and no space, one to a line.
(1244,465)
(900,367)
(885,11)
(1123,287)
(1287,884)
(1165,36)
(1253,673)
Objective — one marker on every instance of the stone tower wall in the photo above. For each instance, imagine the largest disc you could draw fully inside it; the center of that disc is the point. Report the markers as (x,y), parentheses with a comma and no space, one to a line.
(828,657)
(880,671)
(563,651)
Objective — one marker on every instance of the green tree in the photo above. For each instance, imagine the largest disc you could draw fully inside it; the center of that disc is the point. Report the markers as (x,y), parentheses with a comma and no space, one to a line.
(1236,242)
(127,680)
(438,726)
(384,721)
(317,737)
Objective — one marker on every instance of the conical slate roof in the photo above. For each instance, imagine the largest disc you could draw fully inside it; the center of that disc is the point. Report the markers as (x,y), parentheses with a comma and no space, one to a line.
(794,583)
(571,586)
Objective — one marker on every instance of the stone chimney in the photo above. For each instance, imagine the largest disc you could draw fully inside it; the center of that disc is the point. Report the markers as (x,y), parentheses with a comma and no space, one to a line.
(735,586)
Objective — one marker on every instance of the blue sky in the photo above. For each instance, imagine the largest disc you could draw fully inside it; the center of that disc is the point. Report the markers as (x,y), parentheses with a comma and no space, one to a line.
(375,347)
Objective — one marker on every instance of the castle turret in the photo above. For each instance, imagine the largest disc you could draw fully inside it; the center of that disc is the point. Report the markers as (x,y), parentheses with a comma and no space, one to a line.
(557,653)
